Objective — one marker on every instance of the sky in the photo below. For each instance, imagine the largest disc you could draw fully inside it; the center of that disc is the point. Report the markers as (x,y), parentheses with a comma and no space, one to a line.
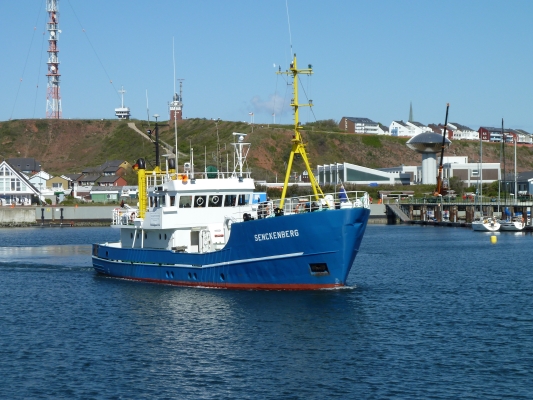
(370,59)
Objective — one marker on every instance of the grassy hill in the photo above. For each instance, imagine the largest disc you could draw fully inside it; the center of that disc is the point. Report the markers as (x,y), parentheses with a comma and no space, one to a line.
(65,146)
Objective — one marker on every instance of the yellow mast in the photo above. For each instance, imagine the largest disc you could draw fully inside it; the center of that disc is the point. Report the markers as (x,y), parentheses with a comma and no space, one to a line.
(298,146)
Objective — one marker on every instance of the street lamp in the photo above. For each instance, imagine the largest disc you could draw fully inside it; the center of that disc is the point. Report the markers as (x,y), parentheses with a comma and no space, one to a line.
(218,147)
(156,116)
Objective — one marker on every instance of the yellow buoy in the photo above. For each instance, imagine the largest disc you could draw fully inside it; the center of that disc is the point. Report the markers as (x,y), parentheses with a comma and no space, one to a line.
(493,239)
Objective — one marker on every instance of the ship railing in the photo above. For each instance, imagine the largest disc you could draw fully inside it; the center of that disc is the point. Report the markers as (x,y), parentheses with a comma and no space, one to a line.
(330,201)
(124,215)
(158,178)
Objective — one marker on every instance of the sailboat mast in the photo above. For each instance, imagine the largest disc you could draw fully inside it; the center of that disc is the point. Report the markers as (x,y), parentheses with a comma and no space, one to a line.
(505,189)
(515,187)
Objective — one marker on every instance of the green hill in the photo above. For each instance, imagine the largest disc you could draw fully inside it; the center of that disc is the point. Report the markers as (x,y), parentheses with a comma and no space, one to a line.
(65,146)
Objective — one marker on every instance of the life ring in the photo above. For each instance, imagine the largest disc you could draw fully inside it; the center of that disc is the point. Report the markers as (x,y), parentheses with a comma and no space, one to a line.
(215,199)
(199,201)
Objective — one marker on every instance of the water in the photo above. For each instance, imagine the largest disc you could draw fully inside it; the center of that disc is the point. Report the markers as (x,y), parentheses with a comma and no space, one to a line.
(430,313)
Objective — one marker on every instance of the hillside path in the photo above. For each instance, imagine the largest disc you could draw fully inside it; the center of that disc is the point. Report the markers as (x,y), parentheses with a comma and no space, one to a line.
(167,147)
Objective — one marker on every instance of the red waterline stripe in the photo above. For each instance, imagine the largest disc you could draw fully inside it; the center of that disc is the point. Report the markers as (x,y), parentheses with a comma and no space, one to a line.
(242,286)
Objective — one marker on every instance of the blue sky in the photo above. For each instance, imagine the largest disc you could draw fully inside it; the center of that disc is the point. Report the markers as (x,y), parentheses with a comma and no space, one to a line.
(370,59)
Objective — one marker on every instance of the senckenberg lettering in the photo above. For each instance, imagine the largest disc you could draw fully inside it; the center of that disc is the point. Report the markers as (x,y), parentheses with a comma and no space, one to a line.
(276,235)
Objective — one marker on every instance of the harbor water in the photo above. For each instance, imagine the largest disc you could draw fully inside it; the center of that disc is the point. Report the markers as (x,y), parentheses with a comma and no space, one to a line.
(430,313)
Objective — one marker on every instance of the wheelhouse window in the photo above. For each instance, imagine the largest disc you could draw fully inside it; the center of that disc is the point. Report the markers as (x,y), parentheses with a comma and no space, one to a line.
(172,201)
(199,201)
(215,200)
(244,199)
(185,201)
(229,200)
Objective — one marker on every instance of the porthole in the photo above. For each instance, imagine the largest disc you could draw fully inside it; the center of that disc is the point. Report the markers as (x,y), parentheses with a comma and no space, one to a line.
(165,236)
(166,274)
(146,236)
(222,277)
(131,235)
(189,275)
(194,276)
(171,274)
(159,236)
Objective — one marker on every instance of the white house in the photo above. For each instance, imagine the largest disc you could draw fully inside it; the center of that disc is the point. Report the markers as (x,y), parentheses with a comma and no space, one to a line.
(15,188)
(399,128)
(409,128)
(39,180)
(523,136)
(461,132)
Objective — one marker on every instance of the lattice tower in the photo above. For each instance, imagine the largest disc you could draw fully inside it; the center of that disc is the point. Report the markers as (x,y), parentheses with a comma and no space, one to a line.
(53,95)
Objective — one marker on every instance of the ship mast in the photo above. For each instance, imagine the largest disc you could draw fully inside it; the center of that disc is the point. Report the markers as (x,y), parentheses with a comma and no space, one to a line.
(298,146)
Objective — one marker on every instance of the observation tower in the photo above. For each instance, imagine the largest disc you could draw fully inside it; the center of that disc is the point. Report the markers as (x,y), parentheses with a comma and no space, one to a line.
(428,144)
(122,112)
(176,105)
(53,95)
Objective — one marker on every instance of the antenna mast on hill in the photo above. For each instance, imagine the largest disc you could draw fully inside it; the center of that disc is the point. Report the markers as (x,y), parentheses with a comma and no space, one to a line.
(53,96)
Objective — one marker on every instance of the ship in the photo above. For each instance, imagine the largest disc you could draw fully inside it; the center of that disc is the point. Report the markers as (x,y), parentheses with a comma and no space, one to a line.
(213,229)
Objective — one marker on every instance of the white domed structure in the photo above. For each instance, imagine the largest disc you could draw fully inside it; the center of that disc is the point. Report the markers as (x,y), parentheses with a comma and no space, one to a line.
(428,144)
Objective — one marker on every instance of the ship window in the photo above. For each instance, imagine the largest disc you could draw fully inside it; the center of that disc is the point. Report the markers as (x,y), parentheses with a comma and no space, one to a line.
(163,201)
(185,201)
(199,201)
(229,200)
(244,199)
(215,200)
(172,201)
(151,201)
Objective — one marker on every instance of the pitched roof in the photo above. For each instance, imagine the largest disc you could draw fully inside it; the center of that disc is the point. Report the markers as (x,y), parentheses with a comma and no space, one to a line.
(358,120)
(401,123)
(89,178)
(73,177)
(461,127)
(109,178)
(25,164)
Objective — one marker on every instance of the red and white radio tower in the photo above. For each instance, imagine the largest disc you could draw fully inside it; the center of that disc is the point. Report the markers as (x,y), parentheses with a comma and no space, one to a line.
(53,97)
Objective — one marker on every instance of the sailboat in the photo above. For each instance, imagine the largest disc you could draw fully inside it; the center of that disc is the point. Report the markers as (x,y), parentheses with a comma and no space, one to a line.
(480,222)
(514,223)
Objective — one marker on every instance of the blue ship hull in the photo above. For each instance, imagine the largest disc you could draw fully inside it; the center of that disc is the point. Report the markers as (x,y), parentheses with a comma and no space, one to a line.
(293,252)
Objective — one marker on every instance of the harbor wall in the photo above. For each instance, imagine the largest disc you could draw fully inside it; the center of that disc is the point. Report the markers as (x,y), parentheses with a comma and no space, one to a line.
(75,214)
(17,216)
(378,214)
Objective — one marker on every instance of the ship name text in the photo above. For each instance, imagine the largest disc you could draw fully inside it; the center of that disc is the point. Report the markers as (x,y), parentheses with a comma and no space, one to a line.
(276,235)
